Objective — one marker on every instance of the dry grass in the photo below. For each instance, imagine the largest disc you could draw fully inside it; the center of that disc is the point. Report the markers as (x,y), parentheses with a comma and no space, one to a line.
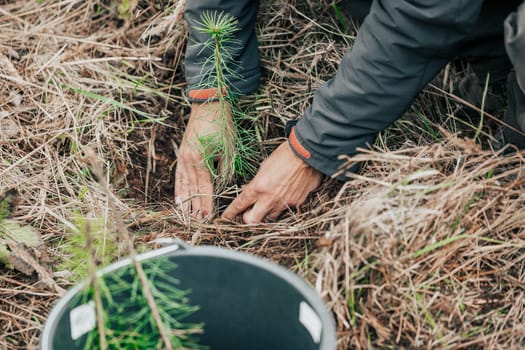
(429,251)
(423,249)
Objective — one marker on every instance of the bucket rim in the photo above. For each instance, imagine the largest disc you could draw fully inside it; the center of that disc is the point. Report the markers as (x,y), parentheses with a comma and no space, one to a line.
(310,295)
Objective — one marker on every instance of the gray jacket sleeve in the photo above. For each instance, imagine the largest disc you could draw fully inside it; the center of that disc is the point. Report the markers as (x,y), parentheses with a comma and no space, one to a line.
(515,43)
(400,47)
(245,68)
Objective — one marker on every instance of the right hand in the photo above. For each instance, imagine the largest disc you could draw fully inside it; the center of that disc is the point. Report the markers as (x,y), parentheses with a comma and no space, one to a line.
(283,181)
(193,182)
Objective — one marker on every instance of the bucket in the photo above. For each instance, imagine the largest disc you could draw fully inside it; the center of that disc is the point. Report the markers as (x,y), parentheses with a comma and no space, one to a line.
(244,303)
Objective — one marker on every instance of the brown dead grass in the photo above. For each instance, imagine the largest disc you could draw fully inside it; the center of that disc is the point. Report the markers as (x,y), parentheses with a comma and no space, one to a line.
(423,249)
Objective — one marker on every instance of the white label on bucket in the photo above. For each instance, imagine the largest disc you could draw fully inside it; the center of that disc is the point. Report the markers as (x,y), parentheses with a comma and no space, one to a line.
(310,321)
(82,319)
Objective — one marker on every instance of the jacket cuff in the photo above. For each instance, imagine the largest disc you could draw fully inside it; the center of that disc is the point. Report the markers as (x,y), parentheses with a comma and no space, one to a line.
(297,146)
(205,95)
(326,166)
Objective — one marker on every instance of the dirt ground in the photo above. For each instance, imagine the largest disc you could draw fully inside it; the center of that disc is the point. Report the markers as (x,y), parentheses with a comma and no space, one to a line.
(422,249)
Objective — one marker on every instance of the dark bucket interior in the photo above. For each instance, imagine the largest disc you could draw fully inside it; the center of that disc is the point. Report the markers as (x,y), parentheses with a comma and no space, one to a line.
(243,306)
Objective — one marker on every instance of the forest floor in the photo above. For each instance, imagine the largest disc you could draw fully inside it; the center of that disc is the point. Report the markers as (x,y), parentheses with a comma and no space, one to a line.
(424,248)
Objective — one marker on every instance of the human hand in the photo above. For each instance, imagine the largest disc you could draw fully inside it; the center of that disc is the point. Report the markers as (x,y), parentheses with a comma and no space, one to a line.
(193,181)
(284,180)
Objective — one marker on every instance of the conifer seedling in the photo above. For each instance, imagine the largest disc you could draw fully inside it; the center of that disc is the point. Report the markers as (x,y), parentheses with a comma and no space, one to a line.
(232,144)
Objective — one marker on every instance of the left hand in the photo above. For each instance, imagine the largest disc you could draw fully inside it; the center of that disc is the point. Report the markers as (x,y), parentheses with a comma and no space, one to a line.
(193,182)
(284,180)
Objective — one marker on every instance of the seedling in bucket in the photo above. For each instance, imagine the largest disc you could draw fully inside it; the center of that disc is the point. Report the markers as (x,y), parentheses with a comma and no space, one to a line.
(242,303)
(127,317)
(135,306)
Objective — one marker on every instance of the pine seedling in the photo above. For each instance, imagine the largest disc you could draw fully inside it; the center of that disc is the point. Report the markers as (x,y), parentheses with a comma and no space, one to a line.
(232,144)
(221,29)
(127,320)
(103,246)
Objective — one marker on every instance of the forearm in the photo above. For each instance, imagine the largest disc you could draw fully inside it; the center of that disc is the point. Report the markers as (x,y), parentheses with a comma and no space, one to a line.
(400,47)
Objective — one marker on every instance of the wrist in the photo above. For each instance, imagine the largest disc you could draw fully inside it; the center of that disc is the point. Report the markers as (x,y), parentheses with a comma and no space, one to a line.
(297,146)
(296,157)
(206,95)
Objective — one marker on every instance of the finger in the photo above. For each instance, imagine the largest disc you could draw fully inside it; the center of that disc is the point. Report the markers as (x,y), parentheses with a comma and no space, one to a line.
(178,183)
(195,200)
(258,212)
(204,191)
(182,188)
(239,205)
(206,202)
(274,214)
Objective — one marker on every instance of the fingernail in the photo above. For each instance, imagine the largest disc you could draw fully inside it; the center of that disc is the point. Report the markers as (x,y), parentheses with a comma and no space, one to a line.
(178,200)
